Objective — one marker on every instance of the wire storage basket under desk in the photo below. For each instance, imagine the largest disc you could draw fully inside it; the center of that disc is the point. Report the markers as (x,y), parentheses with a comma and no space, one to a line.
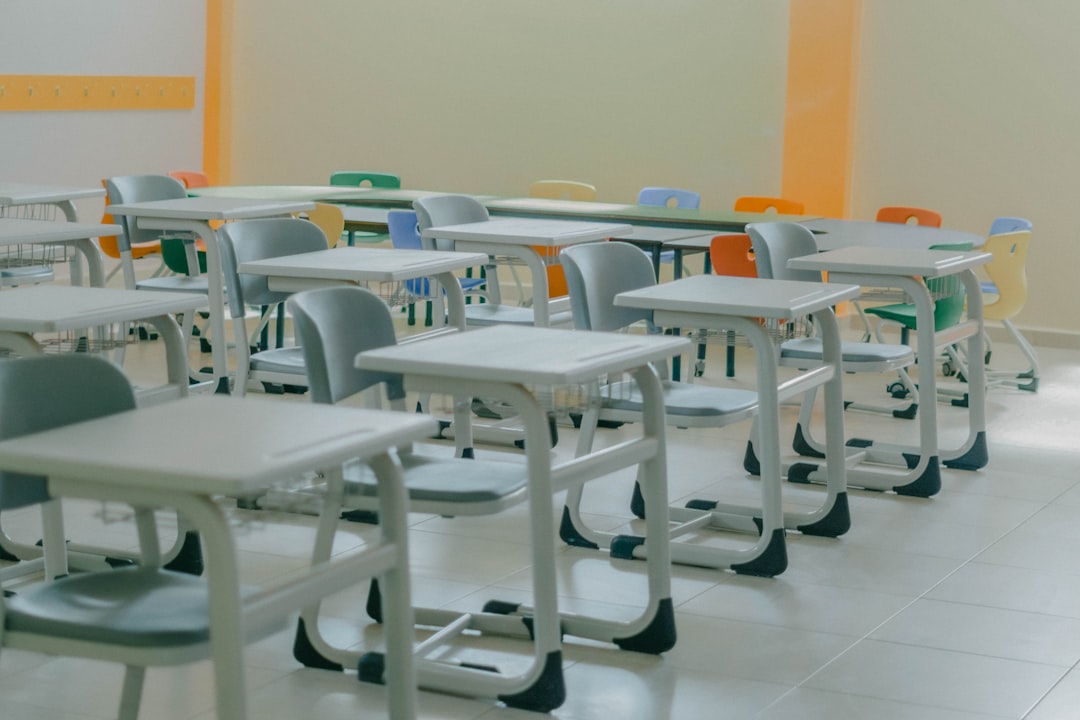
(28,263)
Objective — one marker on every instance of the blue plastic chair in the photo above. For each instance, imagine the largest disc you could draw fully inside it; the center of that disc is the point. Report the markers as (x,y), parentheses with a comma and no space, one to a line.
(405,235)
(669,197)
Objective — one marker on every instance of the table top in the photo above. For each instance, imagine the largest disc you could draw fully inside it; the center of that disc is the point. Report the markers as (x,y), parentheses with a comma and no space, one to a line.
(739,296)
(647,235)
(232,446)
(528,231)
(833,234)
(16,193)
(55,308)
(362,264)
(274,192)
(211,208)
(18,230)
(697,242)
(891,261)
(524,354)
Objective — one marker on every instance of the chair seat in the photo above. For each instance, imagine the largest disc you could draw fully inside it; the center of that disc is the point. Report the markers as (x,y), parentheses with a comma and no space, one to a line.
(450,480)
(175,283)
(489,314)
(903,313)
(138,607)
(288,360)
(885,356)
(685,400)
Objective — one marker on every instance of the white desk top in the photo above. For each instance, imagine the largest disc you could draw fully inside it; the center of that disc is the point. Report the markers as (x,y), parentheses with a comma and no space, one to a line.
(738,296)
(524,354)
(891,261)
(551,204)
(211,208)
(529,231)
(17,230)
(642,234)
(55,308)
(364,214)
(231,447)
(356,264)
(833,234)
(15,193)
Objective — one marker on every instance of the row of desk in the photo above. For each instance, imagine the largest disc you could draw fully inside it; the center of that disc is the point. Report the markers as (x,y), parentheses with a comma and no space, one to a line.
(507,362)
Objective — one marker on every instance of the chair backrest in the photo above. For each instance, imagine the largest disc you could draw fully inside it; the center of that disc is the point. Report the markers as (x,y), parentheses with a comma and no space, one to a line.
(669,197)
(41,393)
(775,243)
(756,204)
(947,292)
(1009,224)
(909,215)
(332,325)
(140,188)
(563,190)
(732,255)
(363,178)
(1008,271)
(190,178)
(436,210)
(255,240)
(404,232)
(596,273)
(330,219)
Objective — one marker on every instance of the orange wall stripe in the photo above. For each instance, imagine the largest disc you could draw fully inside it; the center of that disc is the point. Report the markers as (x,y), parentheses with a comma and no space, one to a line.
(217,99)
(819,122)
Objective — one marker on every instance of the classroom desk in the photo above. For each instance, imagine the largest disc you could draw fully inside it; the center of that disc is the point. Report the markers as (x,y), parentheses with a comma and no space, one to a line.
(734,303)
(61,196)
(244,448)
(905,269)
(655,240)
(515,238)
(17,231)
(501,362)
(194,215)
(832,234)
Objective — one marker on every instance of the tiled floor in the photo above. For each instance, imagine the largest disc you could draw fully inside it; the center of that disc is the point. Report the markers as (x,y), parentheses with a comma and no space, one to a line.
(965,606)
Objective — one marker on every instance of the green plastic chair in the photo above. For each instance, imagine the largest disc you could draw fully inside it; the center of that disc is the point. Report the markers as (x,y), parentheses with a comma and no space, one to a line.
(363,178)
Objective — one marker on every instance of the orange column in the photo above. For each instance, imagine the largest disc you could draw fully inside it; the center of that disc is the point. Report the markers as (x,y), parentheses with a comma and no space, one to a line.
(819,122)
(217,99)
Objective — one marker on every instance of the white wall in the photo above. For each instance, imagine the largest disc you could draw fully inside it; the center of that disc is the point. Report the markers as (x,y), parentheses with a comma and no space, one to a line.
(113,37)
(489,95)
(972,107)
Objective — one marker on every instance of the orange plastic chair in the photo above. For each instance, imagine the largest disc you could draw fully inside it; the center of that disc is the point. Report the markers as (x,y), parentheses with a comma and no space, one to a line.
(110,247)
(191,178)
(755,204)
(559,190)
(905,215)
(731,255)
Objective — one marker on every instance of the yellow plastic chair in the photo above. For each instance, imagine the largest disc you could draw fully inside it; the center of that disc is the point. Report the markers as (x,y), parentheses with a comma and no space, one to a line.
(1008,272)
(329,218)
(757,204)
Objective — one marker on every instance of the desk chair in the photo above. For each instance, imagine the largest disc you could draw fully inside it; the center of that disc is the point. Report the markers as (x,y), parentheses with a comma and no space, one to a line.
(191,178)
(757,204)
(731,255)
(280,368)
(596,273)
(558,190)
(139,616)
(774,244)
(669,197)
(145,188)
(405,235)
(437,210)
(333,325)
(110,246)
(364,178)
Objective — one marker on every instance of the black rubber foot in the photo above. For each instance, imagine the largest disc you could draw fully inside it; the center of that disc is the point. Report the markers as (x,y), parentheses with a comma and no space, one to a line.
(294,389)
(374,602)
(371,667)
(368,517)
(750,461)
(701,504)
(468,453)
(223,387)
(118,562)
(637,502)
(8,557)
(770,563)
(658,637)
(501,607)
(547,693)
(273,388)
(570,535)
(835,523)
(907,413)
(204,346)
(802,446)
(800,473)
(306,654)
(622,546)
(190,558)
(973,459)
(927,485)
